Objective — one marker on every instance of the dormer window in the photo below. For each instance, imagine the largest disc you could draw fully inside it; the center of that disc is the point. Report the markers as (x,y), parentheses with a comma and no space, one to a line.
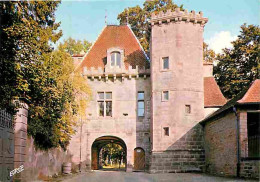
(116,59)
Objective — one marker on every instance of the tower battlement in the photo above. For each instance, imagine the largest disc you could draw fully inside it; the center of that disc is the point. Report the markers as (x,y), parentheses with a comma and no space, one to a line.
(178,15)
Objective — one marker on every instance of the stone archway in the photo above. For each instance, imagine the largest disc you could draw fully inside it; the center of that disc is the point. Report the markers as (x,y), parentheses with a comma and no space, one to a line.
(99,143)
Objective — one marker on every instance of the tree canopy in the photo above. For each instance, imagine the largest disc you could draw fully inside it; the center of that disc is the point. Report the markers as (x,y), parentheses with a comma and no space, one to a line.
(209,55)
(32,71)
(26,29)
(239,66)
(139,18)
(73,46)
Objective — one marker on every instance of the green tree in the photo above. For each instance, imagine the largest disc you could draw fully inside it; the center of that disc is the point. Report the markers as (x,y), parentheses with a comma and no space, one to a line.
(57,105)
(30,70)
(239,65)
(75,46)
(139,18)
(26,29)
(112,151)
(209,55)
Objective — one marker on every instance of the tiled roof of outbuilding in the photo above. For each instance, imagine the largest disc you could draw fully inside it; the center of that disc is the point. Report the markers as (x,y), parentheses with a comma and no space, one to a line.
(253,93)
(213,97)
(120,36)
(247,96)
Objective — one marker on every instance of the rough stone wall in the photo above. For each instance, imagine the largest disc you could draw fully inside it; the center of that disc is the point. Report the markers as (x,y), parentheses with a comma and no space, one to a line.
(40,165)
(250,169)
(124,123)
(220,146)
(20,136)
(185,155)
(182,42)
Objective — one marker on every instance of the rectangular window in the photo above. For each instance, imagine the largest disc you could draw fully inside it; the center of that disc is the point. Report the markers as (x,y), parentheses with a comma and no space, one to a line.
(105,103)
(165,63)
(187,109)
(140,104)
(101,108)
(166,131)
(113,59)
(253,134)
(165,95)
(108,108)
(116,59)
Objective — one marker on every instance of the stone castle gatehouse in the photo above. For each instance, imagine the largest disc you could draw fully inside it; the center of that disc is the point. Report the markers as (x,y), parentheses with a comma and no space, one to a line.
(150,107)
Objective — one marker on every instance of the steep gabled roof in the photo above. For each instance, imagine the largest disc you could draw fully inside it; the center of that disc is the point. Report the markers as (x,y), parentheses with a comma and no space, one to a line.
(253,93)
(213,97)
(247,96)
(120,36)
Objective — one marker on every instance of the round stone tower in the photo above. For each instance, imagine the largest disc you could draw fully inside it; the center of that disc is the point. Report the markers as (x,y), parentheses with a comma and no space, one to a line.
(177,91)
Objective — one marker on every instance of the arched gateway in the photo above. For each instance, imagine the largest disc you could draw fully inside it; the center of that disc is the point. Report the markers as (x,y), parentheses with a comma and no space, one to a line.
(101,142)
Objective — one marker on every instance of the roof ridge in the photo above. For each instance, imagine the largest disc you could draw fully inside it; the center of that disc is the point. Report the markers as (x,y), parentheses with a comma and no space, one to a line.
(248,90)
(138,43)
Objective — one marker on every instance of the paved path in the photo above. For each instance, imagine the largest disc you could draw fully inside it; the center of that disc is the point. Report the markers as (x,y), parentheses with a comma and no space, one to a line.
(116,176)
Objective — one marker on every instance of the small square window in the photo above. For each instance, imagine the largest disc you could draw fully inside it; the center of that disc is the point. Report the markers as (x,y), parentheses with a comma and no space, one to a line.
(187,109)
(166,131)
(165,95)
(165,63)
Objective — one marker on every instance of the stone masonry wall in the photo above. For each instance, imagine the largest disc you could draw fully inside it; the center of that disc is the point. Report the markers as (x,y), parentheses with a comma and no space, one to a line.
(250,169)
(41,165)
(176,37)
(185,155)
(124,123)
(20,136)
(220,146)
(38,165)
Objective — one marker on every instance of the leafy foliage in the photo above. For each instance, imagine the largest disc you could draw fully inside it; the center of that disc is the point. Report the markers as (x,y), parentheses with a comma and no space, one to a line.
(208,54)
(56,107)
(239,66)
(75,46)
(113,152)
(30,70)
(25,31)
(139,18)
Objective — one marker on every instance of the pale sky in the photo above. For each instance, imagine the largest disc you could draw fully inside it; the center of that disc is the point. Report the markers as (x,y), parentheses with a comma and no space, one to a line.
(85,19)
